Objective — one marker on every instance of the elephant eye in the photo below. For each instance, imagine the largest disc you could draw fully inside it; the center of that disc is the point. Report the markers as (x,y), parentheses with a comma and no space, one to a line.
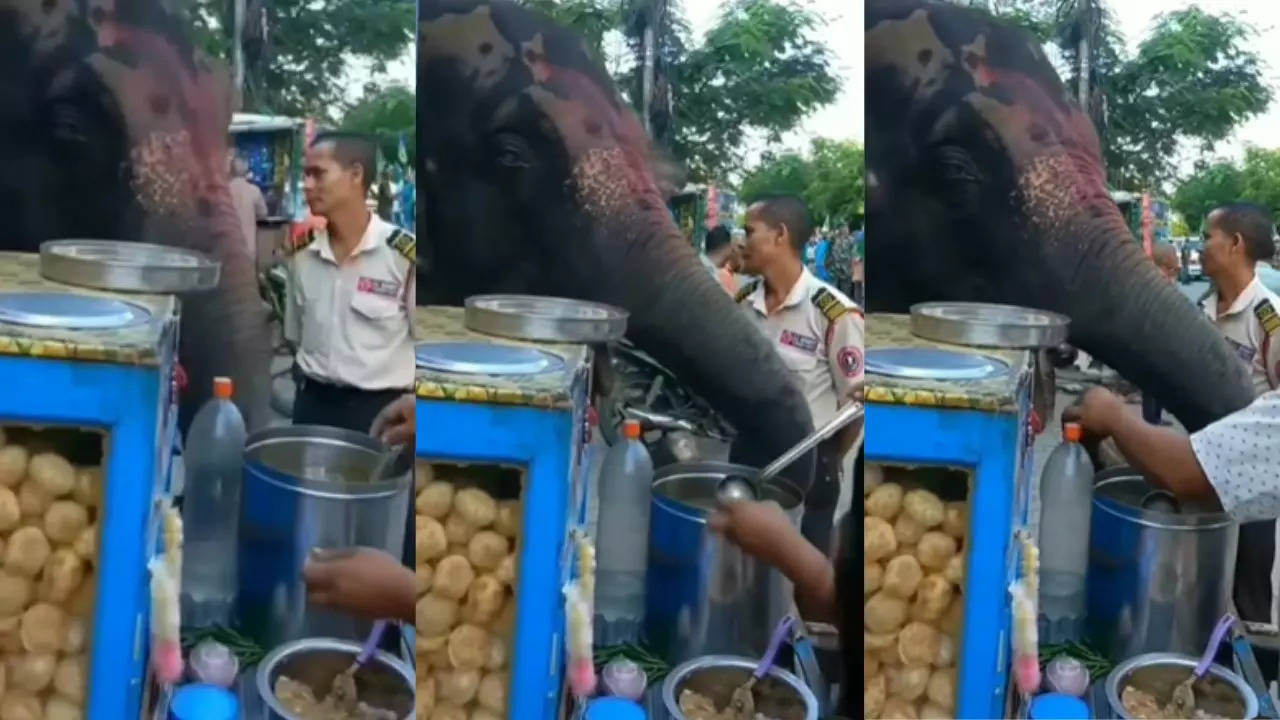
(511,151)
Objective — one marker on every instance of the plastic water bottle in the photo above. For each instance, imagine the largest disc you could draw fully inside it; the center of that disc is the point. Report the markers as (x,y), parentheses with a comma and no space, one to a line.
(1066,495)
(214,461)
(622,538)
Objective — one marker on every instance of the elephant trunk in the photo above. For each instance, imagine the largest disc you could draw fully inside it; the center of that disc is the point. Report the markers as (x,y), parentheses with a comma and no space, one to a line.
(1125,313)
(224,331)
(683,318)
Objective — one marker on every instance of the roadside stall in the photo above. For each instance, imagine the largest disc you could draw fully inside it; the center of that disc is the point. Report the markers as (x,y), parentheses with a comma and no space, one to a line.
(88,421)
(501,486)
(948,474)
(273,147)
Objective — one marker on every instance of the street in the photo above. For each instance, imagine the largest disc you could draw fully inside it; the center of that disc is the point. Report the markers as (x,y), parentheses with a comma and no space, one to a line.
(1194,290)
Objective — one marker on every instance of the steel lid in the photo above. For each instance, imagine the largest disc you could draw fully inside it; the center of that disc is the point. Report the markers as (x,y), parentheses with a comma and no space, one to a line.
(477,358)
(545,319)
(127,266)
(69,311)
(988,325)
(933,364)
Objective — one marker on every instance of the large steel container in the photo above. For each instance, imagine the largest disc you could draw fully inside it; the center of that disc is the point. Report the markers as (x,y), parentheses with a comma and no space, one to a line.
(1157,581)
(704,595)
(308,487)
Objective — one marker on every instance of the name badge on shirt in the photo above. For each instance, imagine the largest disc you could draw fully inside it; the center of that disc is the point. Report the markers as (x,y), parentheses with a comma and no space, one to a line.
(1244,352)
(799,342)
(385,288)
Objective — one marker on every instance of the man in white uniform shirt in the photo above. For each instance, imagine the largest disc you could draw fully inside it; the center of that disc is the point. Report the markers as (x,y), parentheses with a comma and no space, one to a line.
(1236,238)
(818,333)
(351,298)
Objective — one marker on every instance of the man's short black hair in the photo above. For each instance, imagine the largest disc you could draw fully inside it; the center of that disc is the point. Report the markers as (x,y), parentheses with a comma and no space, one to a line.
(351,148)
(717,237)
(791,212)
(1253,223)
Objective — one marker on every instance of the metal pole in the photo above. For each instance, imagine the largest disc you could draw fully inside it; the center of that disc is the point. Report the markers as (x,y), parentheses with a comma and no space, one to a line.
(237,46)
(1086,29)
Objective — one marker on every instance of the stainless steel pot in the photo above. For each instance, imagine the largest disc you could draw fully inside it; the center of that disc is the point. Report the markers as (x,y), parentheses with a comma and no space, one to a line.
(704,595)
(307,487)
(385,682)
(1157,581)
(1116,680)
(715,676)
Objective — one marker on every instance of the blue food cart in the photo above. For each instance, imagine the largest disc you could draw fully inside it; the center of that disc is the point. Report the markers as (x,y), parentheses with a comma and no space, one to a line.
(89,379)
(509,417)
(954,422)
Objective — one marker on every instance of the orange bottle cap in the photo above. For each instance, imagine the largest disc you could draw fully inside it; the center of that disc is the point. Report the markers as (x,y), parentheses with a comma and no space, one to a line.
(222,388)
(1072,432)
(631,429)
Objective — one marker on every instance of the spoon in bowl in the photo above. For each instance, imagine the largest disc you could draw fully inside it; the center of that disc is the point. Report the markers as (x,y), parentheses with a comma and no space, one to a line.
(1184,697)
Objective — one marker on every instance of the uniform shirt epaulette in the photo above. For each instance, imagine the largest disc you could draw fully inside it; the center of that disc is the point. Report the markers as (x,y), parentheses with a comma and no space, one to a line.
(303,241)
(404,243)
(1267,317)
(745,291)
(829,305)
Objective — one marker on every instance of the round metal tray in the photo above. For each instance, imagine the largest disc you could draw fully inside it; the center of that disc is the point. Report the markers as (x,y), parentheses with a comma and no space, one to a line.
(932,364)
(69,311)
(545,319)
(988,325)
(127,266)
(484,359)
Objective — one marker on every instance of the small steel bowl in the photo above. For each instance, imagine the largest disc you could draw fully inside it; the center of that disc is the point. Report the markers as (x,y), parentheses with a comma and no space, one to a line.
(1115,680)
(386,681)
(733,671)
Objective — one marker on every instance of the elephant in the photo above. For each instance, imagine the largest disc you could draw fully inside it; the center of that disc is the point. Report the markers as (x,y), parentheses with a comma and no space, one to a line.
(115,127)
(537,178)
(985,182)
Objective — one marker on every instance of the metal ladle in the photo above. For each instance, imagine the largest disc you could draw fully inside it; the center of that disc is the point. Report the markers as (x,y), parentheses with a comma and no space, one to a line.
(736,488)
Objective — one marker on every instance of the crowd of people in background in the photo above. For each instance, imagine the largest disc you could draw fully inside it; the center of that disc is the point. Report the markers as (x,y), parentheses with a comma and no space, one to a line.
(832,256)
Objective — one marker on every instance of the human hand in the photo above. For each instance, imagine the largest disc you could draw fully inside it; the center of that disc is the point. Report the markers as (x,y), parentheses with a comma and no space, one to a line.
(362,581)
(394,425)
(1097,412)
(760,528)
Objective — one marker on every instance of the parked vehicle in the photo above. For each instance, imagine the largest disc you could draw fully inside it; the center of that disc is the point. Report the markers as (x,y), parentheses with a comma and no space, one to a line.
(1192,270)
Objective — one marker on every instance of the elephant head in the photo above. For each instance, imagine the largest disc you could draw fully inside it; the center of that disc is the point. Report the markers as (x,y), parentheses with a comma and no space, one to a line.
(115,127)
(537,178)
(985,183)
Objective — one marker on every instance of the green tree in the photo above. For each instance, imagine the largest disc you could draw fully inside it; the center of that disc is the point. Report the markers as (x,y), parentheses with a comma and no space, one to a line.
(829,178)
(1255,179)
(386,113)
(297,51)
(758,72)
(1192,81)
(1208,188)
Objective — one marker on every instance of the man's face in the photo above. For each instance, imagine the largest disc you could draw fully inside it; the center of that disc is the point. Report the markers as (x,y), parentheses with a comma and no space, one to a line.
(327,184)
(1220,248)
(763,242)
(1169,266)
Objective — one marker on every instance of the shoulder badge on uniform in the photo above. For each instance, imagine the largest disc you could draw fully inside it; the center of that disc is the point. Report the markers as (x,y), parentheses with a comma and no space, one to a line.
(303,241)
(745,291)
(829,305)
(1267,317)
(404,243)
